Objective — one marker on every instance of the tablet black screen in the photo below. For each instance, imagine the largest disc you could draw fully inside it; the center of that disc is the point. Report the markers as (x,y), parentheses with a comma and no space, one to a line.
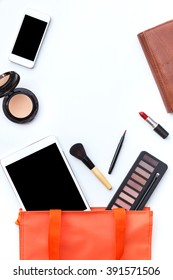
(43,181)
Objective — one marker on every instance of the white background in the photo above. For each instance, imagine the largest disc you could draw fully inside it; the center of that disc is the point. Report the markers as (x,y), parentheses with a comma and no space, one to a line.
(92,80)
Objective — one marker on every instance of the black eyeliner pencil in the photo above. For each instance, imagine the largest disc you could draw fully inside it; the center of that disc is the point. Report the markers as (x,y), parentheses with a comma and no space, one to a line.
(116,153)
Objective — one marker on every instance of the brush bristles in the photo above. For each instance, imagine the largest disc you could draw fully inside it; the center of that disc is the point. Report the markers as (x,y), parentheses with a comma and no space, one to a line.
(78,151)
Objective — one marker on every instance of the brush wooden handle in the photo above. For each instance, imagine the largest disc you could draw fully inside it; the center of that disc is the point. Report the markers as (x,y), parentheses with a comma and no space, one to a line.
(101,177)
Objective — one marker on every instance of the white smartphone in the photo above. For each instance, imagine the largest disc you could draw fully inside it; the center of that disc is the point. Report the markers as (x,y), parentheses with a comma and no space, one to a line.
(29,38)
(42,178)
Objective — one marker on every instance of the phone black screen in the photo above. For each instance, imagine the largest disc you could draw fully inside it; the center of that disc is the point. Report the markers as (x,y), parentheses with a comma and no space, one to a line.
(43,181)
(29,37)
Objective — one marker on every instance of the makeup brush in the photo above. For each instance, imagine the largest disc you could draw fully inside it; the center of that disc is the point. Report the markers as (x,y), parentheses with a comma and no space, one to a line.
(78,151)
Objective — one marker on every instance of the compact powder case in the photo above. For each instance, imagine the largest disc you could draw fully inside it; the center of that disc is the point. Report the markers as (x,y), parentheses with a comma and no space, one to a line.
(20,105)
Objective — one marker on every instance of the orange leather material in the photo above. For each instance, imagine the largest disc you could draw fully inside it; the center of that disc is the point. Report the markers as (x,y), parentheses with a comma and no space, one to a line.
(86,235)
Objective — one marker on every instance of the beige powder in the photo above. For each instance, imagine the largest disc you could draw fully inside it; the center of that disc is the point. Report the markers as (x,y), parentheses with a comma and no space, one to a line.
(3,80)
(20,105)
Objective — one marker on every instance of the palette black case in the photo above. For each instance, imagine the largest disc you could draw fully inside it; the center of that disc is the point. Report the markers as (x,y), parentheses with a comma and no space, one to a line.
(139,183)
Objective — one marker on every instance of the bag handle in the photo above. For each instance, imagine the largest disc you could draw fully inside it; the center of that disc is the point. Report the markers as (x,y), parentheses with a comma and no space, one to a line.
(55,225)
(54,234)
(120,227)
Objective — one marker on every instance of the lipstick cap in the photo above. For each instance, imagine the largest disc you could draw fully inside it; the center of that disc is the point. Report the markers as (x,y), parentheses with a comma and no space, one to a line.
(161,131)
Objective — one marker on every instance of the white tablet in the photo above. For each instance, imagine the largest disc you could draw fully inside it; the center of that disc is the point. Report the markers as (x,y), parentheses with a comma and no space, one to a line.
(42,178)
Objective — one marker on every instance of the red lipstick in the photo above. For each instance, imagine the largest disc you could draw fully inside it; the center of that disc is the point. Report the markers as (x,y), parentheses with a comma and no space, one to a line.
(156,127)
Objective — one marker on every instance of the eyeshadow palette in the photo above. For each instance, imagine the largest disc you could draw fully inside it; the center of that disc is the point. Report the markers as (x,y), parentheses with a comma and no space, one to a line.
(139,184)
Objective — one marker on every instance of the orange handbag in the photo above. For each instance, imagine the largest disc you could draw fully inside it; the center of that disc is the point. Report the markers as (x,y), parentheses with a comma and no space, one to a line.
(98,234)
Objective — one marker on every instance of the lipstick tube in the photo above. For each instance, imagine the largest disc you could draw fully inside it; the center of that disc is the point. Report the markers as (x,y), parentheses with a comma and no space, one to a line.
(156,127)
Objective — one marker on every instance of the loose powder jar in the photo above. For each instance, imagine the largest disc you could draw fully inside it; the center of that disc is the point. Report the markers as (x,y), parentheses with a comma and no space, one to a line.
(20,105)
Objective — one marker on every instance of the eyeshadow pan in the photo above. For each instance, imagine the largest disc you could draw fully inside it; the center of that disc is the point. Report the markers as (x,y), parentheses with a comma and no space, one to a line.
(131,192)
(127,197)
(142,172)
(134,185)
(122,204)
(150,160)
(114,206)
(138,179)
(146,166)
